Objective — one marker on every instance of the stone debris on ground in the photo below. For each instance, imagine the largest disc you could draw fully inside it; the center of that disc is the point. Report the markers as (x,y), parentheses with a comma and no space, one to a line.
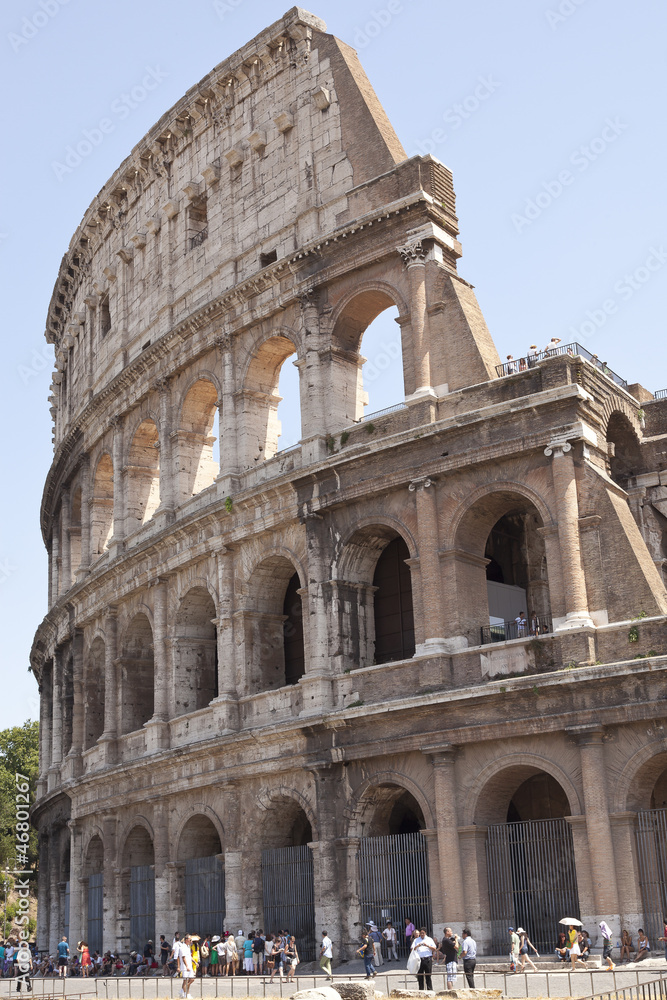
(317,993)
(356,991)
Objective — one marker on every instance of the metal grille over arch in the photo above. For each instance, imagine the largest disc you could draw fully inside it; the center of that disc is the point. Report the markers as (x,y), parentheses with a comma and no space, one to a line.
(289,895)
(204,895)
(142,906)
(651,836)
(95,911)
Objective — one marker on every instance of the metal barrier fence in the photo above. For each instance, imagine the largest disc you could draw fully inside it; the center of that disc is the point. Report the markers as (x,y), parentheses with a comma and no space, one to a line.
(503,631)
(660,394)
(288,889)
(585,983)
(514,365)
(651,834)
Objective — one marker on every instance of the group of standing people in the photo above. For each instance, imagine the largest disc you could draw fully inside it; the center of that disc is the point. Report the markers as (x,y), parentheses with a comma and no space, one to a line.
(449,950)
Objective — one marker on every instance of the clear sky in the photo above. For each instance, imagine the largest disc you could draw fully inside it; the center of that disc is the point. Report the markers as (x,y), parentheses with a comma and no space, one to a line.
(551,114)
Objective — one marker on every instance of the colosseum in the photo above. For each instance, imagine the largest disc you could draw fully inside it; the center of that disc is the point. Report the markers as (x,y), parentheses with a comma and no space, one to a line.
(414,666)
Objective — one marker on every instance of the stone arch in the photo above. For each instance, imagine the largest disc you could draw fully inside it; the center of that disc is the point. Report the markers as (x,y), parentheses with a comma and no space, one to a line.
(615,405)
(94,692)
(195,652)
(76,502)
(137,843)
(137,882)
(93,855)
(375,797)
(273,656)
(258,399)
(137,673)
(499,552)
(488,798)
(288,819)
(623,447)
(352,317)
(204,811)
(143,474)
(635,786)
(374,590)
(199,837)
(196,468)
(101,513)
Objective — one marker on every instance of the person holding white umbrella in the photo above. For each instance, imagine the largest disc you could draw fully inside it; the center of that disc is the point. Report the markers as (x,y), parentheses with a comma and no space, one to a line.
(607,946)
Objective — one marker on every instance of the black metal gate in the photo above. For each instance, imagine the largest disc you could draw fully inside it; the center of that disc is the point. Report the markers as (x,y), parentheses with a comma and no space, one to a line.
(394,882)
(204,896)
(532,880)
(289,896)
(652,860)
(142,906)
(95,911)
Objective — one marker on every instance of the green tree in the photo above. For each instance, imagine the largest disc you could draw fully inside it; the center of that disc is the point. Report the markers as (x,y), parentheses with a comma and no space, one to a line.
(19,754)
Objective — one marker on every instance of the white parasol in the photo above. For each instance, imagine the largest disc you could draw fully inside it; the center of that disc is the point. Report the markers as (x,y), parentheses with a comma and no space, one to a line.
(571,922)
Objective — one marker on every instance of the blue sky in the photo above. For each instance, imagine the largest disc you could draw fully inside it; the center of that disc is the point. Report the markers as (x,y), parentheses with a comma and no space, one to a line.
(549,112)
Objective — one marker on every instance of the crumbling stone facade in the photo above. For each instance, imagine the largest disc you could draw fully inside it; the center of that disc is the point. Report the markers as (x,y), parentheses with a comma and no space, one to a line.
(275,648)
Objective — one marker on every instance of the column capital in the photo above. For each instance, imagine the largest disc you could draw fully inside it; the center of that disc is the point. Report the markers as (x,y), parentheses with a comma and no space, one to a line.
(162,383)
(443,754)
(423,483)
(557,448)
(412,253)
(587,736)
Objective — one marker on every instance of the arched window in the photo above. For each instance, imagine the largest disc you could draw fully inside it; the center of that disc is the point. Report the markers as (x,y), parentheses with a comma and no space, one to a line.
(259,424)
(101,515)
(394,621)
(94,693)
(195,463)
(274,639)
(137,674)
(516,576)
(196,652)
(293,632)
(143,483)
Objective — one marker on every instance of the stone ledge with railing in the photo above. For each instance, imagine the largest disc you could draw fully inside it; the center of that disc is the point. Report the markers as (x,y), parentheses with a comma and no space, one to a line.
(514,365)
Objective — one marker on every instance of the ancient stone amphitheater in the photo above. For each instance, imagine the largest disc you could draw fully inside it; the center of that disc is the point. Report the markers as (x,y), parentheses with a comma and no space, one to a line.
(413,666)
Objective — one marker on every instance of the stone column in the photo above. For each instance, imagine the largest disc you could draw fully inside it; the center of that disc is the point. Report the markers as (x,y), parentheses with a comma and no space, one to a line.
(429,567)
(78,705)
(157,735)
(474,869)
(600,842)
(167,470)
(414,257)
(627,869)
(76,906)
(112,696)
(66,561)
(118,488)
(57,716)
(317,683)
(227,423)
(111,866)
(55,565)
(226,704)
(45,717)
(234,903)
(449,853)
(86,500)
(161,844)
(439,910)
(43,883)
(348,849)
(567,509)
(327,879)
(55,921)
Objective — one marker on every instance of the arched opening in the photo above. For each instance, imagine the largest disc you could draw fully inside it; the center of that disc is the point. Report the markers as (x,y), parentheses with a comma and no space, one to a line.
(377,378)
(68,699)
(393,614)
(659,793)
(196,466)
(501,569)
(530,853)
(623,449)
(137,674)
(138,888)
(274,639)
(75,533)
(258,422)
(93,870)
(101,512)
(94,693)
(394,879)
(143,475)
(649,790)
(202,871)
(196,652)
(287,860)
(289,407)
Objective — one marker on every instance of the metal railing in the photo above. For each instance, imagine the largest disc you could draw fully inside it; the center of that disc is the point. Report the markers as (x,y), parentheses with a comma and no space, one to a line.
(655,989)
(514,365)
(503,631)
(199,238)
(660,394)
(381,413)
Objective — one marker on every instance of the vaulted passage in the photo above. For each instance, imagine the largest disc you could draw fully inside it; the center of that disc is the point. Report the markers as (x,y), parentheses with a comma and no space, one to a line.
(394,622)
(137,674)
(273,625)
(293,632)
(195,652)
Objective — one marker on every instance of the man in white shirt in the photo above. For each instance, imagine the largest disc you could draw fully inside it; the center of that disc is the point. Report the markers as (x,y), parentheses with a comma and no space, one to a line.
(183,956)
(425,947)
(326,954)
(389,934)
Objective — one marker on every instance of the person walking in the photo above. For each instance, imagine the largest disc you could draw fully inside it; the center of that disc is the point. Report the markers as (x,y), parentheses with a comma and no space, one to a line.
(409,932)
(183,957)
(449,946)
(389,934)
(258,945)
(24,967)
(376,938)
(293,960)
(607,947)
(326,954)
(63,957)
(425,948)
(524,944)
(514,949)
(367,952)
(277,955)
(469,955)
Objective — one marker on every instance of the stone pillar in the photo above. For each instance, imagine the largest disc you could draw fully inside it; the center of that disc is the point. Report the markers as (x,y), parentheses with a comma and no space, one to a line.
(112,697)
(65,557)
(328,904)
(55,922)
(45,718)
(57,716)
(86,500)
(438,908)
(317,683)
(226,705)
(161,844)
(587,905)
(627,869)
(118,488)
(78,705)
(167,470)
(234,907)
(312,389)
(227,477)
(350,917)
(43,883)
(76,903)
(111,866)
(414,257)
(600,842)
(472,841)
(567,508)
(429,568)
(449,854)
(157,728)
